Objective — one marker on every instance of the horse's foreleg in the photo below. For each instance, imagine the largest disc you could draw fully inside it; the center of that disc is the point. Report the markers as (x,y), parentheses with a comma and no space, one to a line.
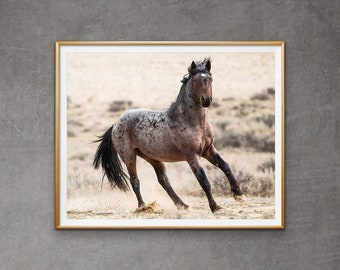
(165,183)
(163,179)
(213,157)
(204,182)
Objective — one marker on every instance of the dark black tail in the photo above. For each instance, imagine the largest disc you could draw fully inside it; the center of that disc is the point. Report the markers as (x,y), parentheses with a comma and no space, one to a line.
(107,156)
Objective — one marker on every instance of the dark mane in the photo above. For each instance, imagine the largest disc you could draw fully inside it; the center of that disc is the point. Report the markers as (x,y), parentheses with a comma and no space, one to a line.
(172,110)
(200,68)
(201,65)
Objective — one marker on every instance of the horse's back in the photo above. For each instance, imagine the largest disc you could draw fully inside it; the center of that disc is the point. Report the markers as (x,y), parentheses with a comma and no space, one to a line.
(133,117)
(149,132)
(129,119)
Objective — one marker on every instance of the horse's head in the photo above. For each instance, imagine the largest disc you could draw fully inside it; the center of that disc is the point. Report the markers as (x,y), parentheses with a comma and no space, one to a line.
(201,80)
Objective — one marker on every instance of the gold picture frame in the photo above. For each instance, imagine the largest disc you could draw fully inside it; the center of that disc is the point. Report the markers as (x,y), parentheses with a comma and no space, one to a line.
(96,81)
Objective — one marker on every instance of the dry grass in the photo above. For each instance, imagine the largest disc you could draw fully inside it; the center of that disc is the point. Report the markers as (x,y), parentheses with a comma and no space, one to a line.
(249,123)
(251,184)
(267,166)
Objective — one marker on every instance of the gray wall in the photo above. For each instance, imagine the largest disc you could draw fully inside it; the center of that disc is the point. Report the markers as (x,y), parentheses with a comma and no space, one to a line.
(28,30)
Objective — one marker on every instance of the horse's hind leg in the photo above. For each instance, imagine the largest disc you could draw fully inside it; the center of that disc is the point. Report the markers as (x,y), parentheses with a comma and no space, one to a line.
(164,181)
(213,157)
(130,161)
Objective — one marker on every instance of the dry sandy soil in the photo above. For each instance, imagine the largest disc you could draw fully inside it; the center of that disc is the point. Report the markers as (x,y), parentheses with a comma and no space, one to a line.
(102,86)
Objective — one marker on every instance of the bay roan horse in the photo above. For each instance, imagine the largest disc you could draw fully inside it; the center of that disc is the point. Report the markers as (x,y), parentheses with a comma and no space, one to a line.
(180,133)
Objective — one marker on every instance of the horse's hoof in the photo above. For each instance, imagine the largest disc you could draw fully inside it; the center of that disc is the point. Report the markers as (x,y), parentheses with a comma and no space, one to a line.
(240,198)
(182,206)
(216,208)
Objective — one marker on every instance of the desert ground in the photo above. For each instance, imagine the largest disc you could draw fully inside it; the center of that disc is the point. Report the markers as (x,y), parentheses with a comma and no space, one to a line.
(101,86)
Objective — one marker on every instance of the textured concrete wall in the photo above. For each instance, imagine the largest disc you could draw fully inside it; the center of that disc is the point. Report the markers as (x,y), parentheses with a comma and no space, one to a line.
(28,30)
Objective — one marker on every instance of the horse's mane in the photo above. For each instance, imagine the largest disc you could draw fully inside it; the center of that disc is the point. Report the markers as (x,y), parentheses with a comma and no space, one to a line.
(200,68)
(173,113)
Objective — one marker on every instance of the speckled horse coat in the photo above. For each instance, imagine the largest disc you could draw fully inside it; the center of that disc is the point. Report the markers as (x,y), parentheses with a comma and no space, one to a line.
(180,133)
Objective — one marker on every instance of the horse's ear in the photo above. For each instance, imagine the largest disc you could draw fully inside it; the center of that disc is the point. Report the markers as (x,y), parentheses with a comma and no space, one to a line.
(208,65)
(192,66)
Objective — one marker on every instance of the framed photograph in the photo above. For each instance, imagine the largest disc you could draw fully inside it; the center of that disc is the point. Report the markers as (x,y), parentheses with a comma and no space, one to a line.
(169,135)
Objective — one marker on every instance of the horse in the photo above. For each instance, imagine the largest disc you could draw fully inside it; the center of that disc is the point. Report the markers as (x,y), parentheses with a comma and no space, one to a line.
(181,132)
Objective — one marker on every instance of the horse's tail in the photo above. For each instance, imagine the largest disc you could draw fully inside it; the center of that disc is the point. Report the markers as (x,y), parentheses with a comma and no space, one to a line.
(107,157)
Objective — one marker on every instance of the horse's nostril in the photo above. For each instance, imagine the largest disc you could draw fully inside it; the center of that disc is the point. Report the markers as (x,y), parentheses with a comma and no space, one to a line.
(206,100)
